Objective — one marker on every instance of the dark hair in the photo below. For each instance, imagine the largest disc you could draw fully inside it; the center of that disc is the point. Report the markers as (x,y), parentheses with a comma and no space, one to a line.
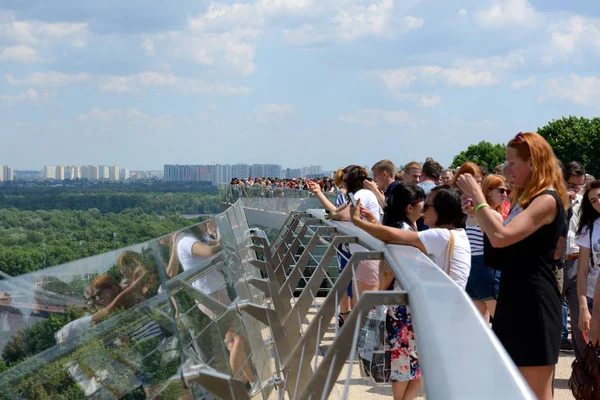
(484,171)
(401,196)
(355,176)
(588,213)
(573,168)
(432,169)
(448,206)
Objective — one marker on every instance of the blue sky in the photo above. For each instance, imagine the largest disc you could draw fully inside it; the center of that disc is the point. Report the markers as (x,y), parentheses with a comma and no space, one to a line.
(295,82)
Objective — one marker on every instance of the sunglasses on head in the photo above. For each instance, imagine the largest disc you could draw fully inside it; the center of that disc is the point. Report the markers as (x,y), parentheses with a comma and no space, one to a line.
(520,138)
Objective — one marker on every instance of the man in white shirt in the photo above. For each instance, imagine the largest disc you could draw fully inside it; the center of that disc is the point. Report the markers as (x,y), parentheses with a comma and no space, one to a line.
(191,252)
(574,174)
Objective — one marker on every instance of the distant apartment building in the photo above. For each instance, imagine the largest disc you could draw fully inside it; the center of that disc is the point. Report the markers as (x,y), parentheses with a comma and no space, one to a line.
(50,172)
(124,174)
(113,173)
(240,171)
(223,173)
(103,172)
(292,173)
(90,172)
(72,172)
(59,173)
(313,170)
(7,174)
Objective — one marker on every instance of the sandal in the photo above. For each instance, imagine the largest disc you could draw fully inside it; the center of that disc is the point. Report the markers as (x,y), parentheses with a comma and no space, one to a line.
(341,319)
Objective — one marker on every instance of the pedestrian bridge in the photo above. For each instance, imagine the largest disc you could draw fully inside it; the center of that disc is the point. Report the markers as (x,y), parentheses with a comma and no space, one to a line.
(269,333)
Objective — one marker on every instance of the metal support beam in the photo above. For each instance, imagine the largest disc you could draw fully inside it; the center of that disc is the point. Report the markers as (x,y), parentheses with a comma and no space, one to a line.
(322,381)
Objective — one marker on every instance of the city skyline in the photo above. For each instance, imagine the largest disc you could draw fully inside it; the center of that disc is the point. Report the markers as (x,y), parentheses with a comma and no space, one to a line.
(293,82)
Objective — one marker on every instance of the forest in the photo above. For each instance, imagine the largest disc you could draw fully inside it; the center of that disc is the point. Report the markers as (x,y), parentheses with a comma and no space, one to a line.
(152,197)
(42,225)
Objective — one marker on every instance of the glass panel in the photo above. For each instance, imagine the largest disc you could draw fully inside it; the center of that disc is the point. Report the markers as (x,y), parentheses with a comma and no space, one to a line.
(99,327)
(121,324)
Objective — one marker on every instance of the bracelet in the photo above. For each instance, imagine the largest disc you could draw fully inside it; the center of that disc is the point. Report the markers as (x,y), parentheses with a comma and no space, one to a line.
(481,206)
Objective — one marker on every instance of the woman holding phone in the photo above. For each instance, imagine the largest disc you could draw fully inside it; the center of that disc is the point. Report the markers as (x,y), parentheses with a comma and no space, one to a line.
(528,318)
(367,272)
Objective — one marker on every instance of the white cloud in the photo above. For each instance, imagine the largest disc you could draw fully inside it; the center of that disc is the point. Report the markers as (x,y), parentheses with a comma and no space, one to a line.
(430,101)
(270,112)
(398,79)
(372,18)
(518,84)
(137,82)
(98,114)
(51,78)
(20,53)
(129,116)
(462,12)
(375,117)
(350,21)
(511,60)
(508,12)
(565,37)
(412,23)
(304,35)
(29,96)
(148,47)
(35,32)
(575,89)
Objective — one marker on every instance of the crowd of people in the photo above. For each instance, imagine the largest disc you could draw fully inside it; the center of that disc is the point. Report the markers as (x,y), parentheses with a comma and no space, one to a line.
(523,242)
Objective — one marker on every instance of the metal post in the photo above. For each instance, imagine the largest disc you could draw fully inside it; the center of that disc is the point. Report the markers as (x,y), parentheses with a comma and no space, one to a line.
(114,240)
(81,248)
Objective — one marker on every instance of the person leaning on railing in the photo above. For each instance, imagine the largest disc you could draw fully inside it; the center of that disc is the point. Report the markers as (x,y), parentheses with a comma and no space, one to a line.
(528,312)
(405,204)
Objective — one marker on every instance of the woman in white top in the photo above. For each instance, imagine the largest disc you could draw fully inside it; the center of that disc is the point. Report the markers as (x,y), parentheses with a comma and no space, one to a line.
(443,214)
(367,272)
(588,239)
(404,208)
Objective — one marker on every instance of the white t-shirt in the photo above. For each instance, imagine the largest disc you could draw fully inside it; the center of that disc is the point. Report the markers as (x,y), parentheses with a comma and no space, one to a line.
(368,201)
(583,240)
(436,242)
(207,283)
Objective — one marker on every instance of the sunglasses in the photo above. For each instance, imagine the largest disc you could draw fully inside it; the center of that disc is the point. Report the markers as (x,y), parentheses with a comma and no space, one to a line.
(520,138)
(503,190)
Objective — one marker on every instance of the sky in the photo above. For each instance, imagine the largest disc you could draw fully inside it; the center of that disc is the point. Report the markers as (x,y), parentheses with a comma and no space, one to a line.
(142,83)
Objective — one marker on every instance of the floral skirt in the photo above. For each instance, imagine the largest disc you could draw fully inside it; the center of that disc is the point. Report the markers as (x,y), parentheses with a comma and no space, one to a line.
(404,358)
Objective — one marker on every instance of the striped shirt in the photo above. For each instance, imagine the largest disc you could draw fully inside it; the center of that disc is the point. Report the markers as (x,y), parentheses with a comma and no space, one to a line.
(475,237)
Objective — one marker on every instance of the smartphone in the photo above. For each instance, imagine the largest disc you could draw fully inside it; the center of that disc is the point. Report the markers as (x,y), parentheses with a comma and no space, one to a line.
(352,199)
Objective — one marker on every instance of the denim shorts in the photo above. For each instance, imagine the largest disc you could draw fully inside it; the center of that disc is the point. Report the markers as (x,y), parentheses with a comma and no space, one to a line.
(483,281)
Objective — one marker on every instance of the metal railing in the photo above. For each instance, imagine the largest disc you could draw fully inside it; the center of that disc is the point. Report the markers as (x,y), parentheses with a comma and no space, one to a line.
(277,310)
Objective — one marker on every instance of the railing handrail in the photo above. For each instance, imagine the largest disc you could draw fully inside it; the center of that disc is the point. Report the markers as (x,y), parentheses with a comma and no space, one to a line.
(460,357)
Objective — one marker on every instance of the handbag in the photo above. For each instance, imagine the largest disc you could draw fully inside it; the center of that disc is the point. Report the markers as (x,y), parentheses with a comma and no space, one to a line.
(373,348)
(585,377)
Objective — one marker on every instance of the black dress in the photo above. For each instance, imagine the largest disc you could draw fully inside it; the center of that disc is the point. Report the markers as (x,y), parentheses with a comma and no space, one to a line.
(528,317)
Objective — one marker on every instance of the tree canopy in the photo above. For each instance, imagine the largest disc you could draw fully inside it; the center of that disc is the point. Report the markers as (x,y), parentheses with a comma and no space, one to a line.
(484,154)
(575,139)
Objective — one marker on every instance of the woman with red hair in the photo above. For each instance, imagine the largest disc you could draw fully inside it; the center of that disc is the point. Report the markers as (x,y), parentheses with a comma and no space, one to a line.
(528,313)
(483,283)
